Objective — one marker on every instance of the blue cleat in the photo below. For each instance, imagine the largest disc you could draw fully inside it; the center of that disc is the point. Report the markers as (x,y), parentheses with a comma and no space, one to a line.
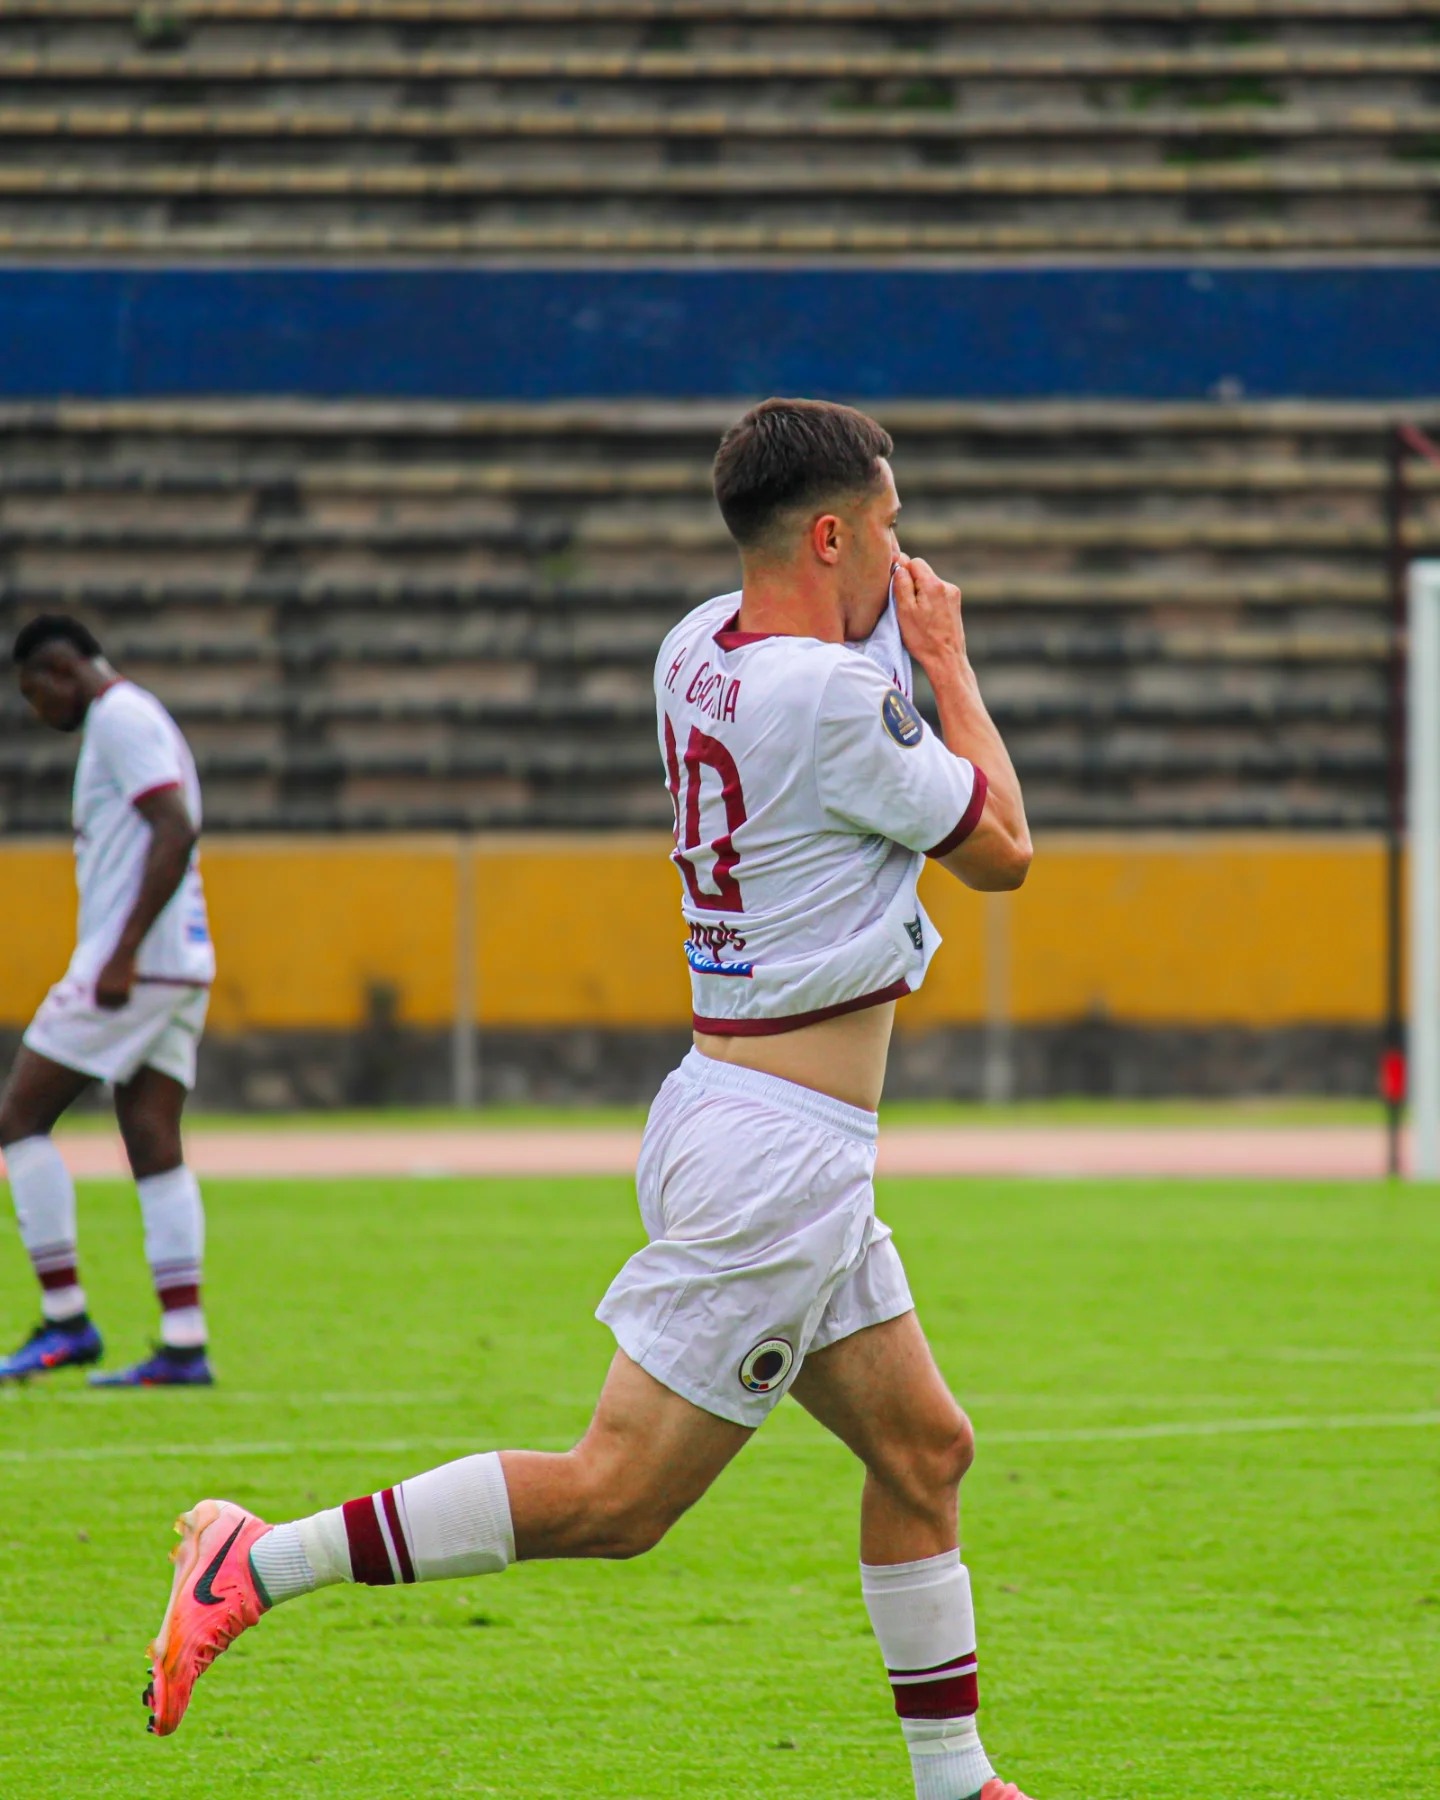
(166,1368)
(51,1346)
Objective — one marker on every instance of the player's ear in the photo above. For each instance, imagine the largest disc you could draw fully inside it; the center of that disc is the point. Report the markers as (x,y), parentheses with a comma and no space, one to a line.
(825,538)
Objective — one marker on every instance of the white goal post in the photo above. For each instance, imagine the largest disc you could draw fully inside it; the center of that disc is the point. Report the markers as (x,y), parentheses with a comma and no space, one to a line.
(1423,709)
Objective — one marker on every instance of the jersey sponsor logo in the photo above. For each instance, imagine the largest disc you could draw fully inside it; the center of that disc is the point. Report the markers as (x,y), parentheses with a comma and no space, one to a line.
(915,931)
(767,1365)
(705,948)
(717,938)
(197,921)
(901,720)
(701,964)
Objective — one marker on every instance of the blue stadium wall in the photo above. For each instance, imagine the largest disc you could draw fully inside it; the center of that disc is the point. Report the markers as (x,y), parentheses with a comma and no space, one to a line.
(1180,332)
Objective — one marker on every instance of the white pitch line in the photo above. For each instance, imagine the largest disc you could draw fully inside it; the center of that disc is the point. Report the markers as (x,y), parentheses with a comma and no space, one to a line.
(359,1447)
(41,1394)
(1083,1434)
(1195,1428)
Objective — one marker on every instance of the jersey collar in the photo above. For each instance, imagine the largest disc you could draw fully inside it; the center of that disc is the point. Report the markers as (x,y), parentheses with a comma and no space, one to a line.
(728,637)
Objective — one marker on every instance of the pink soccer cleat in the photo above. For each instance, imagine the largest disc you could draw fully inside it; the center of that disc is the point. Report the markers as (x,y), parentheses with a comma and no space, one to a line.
(1000,1790)
(213,1599)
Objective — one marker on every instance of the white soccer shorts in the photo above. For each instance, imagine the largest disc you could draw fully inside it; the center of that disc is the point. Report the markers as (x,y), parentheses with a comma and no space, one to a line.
(758,1199)
(159,1027)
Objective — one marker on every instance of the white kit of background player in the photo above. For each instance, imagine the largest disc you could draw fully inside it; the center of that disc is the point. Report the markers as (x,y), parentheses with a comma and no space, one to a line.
(129,1009)
(807,794)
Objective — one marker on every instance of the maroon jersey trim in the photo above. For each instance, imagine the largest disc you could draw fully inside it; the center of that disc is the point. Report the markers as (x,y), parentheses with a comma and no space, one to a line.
(160,787)
(793,1021)
(729,638)
(969,819)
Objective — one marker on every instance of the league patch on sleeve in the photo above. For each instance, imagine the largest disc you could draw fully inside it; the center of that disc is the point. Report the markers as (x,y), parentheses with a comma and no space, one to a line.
(901,720)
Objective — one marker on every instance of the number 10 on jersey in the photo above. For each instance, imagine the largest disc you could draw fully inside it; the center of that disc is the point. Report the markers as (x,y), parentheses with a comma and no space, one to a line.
(699,799)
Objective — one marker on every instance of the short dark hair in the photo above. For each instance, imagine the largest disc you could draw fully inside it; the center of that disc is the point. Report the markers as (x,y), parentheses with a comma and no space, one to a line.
(53,628)
(786,454)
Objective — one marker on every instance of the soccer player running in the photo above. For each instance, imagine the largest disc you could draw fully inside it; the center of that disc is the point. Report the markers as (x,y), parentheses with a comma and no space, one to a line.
(808,792)
(128,1010)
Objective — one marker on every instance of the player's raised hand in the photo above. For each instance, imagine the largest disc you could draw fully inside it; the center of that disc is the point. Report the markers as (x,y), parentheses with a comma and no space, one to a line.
(928,609)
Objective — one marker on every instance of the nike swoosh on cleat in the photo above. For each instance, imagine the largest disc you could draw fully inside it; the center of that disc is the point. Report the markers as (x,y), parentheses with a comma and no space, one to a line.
(204,1590)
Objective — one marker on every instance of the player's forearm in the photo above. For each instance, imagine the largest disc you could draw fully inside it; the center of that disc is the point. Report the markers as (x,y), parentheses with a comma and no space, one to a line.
(970,732)
(165,865)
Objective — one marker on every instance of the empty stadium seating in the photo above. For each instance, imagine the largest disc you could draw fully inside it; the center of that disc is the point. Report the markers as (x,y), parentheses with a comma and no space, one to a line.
(371,615)
(622,127)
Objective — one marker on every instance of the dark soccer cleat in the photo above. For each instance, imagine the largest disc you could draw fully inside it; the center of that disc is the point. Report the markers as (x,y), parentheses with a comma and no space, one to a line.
(51,1347)
(166,1368)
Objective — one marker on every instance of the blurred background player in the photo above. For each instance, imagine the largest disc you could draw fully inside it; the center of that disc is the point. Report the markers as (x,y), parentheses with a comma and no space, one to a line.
(808,794)
(129,1009)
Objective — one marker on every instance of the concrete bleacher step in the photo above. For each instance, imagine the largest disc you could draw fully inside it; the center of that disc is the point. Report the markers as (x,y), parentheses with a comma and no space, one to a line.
(1366,236)
(564,183)
(1092,707)
(327,13)
(86,427)
(511,130)
(719,69)
(1121,532)
(611,603)
(498,645)
(1077,760)
(580,481)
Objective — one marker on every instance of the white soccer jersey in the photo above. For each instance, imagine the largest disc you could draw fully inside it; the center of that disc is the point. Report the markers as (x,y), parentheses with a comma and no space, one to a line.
(807,792)
(132,747)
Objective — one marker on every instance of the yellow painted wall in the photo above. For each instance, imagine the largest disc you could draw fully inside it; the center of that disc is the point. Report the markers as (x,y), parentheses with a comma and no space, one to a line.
(304,929)
(37,923)
(1182,930)
(585,930)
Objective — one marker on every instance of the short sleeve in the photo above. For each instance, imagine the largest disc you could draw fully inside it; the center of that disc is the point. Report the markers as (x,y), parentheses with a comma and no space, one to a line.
(139,752)
(883,771)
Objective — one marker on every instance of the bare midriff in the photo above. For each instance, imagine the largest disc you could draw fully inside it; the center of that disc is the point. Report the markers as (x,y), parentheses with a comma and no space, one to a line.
(842,1057)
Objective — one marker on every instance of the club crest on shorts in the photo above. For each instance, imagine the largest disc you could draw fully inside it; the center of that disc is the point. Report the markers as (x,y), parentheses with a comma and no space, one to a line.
(766,1366)
(901,720)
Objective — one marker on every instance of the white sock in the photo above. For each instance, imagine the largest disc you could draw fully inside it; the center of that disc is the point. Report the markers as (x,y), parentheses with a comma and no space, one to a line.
(66,1302)
(183,1327)
(449,1522)
(300,1557)
(457,1519)
(924,1620)
(44,1197)
(175,1249)
(947,1758)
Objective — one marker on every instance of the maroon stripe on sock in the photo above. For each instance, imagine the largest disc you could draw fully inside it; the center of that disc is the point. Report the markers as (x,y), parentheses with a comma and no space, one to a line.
(172,1297)
(369,1559)
(402,1549)
(951,1697)
(50,1279)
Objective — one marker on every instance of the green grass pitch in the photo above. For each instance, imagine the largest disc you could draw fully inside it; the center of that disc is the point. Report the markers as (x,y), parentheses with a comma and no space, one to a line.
(1202,1524)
